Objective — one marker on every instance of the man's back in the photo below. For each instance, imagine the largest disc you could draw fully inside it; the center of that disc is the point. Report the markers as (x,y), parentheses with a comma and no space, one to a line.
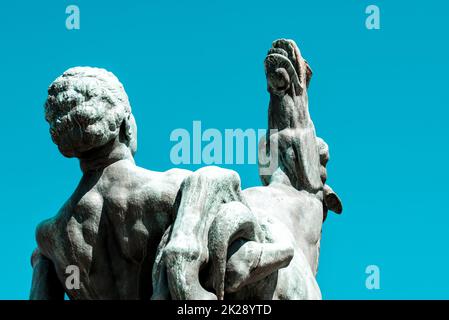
(110,229)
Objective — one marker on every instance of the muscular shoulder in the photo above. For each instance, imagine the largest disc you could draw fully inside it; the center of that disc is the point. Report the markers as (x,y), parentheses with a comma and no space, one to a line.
(140,186)
(128,175)
(175,176)
(164,186)
(45,233)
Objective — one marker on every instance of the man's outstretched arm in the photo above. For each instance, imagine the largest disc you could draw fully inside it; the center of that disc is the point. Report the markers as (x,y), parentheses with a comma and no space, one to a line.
(45,284)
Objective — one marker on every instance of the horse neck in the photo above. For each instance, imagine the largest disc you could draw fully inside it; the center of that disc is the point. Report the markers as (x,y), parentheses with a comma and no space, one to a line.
(289,112)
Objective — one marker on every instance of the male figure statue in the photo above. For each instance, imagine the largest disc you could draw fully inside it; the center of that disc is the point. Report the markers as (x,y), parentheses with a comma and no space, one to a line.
(112,224)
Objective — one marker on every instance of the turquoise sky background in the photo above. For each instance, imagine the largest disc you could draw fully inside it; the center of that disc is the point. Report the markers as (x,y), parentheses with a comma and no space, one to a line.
(378,97)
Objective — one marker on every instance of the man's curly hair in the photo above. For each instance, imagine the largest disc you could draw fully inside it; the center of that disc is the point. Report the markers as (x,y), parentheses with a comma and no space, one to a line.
(86,108)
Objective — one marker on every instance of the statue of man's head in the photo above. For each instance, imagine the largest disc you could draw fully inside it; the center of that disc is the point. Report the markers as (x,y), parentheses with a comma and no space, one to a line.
(87,108)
